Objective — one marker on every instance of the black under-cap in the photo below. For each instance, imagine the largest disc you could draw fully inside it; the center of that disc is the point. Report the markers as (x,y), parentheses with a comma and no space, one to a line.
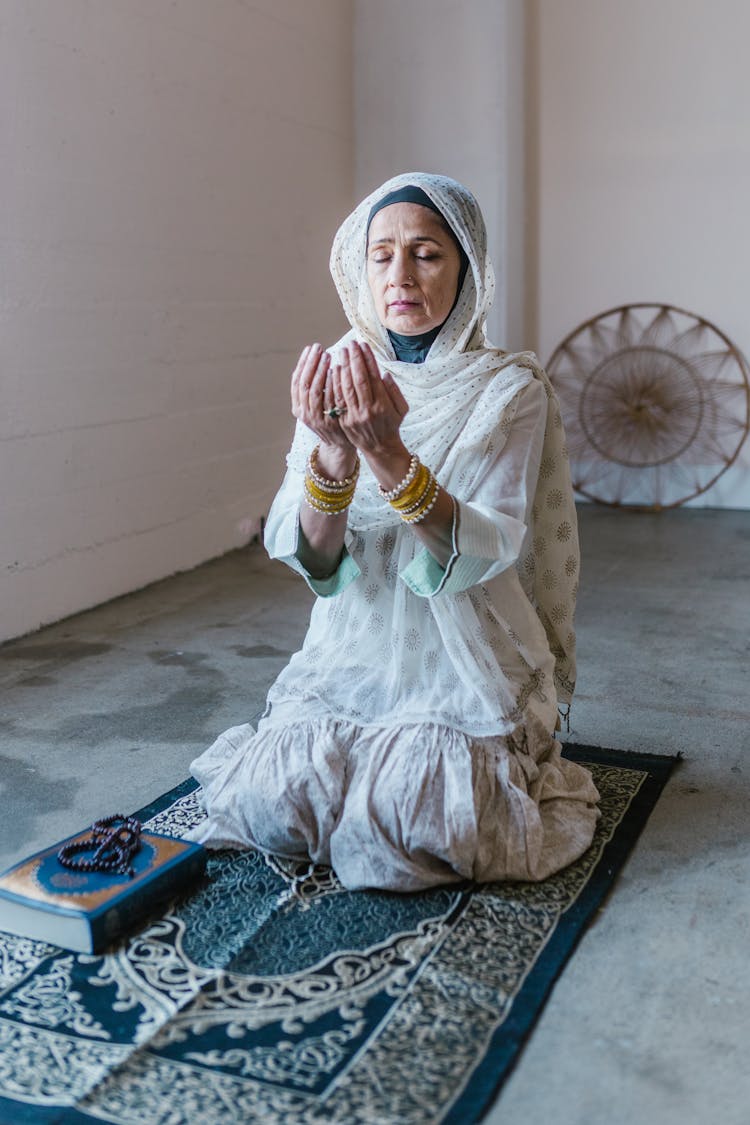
(408,194)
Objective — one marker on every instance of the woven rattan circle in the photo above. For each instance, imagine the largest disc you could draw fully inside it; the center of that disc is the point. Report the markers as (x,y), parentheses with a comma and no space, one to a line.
(656,405)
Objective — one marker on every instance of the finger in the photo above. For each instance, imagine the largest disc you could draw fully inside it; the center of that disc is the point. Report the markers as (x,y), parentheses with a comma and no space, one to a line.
(348,396)
(309,357)
(300,362)
(370,361)
(296,376)
(336,388)
(379,388)
(360,375)
(329,399)
(395,394)
(317,385)
(309,367)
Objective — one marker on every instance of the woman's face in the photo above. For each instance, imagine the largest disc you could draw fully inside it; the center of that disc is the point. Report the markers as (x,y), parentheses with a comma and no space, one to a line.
(413,265)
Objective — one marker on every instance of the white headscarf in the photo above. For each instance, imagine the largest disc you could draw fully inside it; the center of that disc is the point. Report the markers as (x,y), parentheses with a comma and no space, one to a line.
(461,402)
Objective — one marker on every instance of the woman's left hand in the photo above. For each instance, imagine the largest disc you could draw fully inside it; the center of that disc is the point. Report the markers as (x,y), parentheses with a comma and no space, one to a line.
(375,407)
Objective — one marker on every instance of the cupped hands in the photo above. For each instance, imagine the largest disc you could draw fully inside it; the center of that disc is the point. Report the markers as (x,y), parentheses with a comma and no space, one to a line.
(370,404)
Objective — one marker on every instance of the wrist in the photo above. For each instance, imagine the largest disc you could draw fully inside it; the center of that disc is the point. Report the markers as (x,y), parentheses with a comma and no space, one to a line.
(336,462)
(389,464)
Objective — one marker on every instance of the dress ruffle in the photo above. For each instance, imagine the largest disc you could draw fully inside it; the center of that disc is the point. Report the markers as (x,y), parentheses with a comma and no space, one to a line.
(399,808)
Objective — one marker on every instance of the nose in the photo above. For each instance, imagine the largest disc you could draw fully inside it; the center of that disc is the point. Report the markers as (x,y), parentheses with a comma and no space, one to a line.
(399,274)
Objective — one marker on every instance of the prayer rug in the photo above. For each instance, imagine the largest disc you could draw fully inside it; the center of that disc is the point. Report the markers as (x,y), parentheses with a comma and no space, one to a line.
(273,995)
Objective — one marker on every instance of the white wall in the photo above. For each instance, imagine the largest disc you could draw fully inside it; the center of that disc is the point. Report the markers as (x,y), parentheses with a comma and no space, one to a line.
(438,87)
(643,152)
(171,176)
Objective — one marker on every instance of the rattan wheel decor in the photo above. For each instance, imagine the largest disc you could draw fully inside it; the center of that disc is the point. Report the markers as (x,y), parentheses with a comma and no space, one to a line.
(656,405)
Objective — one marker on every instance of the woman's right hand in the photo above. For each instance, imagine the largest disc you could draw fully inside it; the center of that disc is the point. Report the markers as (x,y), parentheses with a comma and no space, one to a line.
(311,392)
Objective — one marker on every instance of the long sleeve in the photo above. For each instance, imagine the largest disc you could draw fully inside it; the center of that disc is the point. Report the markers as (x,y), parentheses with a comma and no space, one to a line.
(489,528)
(281,540)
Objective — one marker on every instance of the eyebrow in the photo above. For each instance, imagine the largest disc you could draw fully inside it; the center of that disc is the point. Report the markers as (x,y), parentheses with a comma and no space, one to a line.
(417,238)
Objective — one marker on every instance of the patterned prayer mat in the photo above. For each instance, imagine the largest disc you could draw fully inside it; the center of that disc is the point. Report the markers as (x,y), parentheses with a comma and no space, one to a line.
(273,995)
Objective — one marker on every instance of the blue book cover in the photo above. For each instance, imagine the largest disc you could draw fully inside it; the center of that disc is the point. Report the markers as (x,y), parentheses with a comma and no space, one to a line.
(87,911)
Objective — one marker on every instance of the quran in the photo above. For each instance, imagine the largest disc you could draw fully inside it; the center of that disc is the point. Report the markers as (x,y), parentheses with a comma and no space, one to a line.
(87,911)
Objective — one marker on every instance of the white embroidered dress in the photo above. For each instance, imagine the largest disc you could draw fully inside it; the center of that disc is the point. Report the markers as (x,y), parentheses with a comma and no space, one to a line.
(408,743)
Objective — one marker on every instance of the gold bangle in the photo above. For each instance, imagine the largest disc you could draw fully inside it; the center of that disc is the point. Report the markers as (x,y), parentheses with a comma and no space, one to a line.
(425,507)
(326,494)
(413,492)
(422,499)
(326,497)
(327,508)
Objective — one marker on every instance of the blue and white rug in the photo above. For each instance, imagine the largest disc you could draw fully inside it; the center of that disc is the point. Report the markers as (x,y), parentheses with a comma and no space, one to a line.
(273,995)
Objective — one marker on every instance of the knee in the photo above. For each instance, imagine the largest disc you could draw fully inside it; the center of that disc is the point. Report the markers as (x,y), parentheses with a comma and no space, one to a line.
(290,807)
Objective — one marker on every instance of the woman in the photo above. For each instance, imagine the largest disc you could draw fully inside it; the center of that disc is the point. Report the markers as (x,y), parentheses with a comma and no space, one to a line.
(427,502)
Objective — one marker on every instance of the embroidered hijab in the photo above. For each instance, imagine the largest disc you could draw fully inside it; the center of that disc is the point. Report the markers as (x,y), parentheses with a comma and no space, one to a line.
(462,399)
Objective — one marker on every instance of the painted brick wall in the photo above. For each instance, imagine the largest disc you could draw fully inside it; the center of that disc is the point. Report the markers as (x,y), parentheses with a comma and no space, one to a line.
(438,87)
(644,170)
(171,176)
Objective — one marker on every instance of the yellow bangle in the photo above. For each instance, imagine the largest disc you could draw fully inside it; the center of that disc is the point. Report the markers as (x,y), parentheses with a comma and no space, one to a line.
(426,503)
(413,491)
(327,495)
(327,507)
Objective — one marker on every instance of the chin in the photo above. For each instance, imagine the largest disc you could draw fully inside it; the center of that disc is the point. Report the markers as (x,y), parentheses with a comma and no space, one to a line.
(407,325)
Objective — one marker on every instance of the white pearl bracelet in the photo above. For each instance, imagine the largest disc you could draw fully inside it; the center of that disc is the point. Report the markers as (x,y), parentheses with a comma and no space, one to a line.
(394,493)
(425,511)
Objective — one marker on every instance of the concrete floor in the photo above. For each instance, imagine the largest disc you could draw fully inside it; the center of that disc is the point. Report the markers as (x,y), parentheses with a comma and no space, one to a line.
(650,1022)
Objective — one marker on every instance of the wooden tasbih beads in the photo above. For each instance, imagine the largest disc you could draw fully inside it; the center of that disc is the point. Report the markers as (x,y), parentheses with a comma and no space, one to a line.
(113,842)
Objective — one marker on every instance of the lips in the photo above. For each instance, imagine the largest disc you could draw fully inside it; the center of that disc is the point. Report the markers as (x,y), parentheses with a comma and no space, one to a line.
(403,305)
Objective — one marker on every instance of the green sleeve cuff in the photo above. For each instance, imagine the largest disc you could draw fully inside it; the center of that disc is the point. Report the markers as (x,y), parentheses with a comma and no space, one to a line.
(282,543)
(345,572)
(424,575)
(490,543)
